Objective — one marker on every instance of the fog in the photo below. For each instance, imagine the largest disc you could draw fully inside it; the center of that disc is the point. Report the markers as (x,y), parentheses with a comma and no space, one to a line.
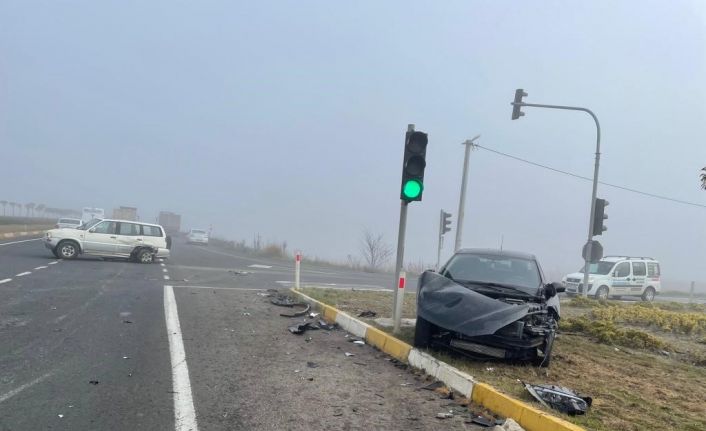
(287,119)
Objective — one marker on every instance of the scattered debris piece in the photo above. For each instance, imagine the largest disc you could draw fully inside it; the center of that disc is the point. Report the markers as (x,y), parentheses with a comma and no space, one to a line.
(359,342)
(94,382)
(265,294)
(300,328)
(664,352)
(433,386)
(246,314)
(445,415)
(489,369)
(297,371)
(326,326)
(308,339)
(235,272)
(306,309)
(482,421)
(509,425)
(361,363)
(311,379)
(313,315)
(349,354)
(126,357)
(312,364)
(127,321)
(367,313)
(560,398)
(60,416)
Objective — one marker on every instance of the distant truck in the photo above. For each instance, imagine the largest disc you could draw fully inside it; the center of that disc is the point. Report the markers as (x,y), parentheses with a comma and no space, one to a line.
(170,221)
(89,214)
(125,213)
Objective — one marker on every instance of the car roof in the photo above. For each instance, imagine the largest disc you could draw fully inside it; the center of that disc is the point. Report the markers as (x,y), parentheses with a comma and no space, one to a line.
(497,252)
(130,221)
(621,258)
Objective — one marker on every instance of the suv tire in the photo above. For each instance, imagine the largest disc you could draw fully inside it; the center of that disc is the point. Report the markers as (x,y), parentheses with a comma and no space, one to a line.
(67,249)
(649,294)
(145,256)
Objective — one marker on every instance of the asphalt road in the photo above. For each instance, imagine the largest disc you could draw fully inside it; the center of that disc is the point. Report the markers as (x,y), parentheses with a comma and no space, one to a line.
(92,344)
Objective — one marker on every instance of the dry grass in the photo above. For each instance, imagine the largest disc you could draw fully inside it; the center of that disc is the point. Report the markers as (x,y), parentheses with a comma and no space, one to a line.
(633,388)
(14,228)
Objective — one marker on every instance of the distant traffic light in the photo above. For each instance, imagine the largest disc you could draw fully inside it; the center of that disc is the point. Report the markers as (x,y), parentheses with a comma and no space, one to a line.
(414,162)
(599,216)
(445,222)
(516,109)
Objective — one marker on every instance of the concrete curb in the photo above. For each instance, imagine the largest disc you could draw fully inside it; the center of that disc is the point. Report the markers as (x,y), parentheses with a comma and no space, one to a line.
(21,234)
(528,417)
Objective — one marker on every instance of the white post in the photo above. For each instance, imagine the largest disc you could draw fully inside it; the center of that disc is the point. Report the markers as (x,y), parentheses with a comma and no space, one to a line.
(399,300)
(462,197)
(297,268)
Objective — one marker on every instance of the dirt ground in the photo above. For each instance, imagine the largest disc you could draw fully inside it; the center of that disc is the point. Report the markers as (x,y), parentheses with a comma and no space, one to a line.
(270,379)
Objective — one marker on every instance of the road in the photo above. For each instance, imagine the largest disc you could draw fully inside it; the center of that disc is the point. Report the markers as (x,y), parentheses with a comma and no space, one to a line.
(96,344)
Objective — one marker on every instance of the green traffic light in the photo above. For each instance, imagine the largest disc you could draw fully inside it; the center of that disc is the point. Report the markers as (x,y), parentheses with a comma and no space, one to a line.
(412,189)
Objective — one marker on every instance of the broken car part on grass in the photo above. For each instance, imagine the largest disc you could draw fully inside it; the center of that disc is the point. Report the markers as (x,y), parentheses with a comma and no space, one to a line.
(288,301)
(560,398)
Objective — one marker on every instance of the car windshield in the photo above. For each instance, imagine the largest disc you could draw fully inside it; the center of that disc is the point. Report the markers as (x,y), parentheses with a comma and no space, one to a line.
(69,221)
(600,268)
(502,270)
(89,224)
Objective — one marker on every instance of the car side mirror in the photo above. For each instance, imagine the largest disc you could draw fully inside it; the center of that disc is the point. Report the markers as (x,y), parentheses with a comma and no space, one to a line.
(92,230)
(552,289)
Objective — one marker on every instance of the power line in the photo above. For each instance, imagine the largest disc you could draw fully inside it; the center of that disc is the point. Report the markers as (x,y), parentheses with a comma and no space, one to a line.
(571,174)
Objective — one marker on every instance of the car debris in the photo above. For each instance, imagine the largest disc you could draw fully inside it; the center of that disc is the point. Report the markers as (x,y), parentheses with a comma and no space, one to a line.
(313,315)
(93,382)
(288,301)
(482,420)
(300,328)
(237,272)
(312,364)
(433,386)
(560,398)
(359,342)
(323,325)
(367,313)
(445,415)
(349,354)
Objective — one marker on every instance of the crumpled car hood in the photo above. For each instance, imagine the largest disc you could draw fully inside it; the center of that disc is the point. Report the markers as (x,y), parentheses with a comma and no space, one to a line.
(454,307)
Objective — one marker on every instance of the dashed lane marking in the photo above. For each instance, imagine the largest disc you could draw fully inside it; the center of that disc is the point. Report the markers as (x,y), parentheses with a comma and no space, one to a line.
(22,274)
(164,269)
(41,267)
(6,396)
(7,280)
(17,242)
(54,263)
(166,277)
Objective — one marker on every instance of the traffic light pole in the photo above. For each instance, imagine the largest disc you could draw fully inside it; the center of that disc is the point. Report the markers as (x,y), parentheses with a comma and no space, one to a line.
(441,238)
(595,182)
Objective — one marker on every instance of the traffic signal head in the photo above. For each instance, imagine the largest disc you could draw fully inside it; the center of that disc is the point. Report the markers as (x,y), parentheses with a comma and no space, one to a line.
(516,112)
(445,222)
(599,216)
(414,162)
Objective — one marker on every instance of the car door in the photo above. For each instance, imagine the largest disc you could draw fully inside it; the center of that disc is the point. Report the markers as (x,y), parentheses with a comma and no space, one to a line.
(621,278)
(153,236)
(129,236)
(101,239)
(639,278)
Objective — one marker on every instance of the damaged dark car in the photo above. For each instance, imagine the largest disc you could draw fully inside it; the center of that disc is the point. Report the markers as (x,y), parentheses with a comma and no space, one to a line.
(489,304)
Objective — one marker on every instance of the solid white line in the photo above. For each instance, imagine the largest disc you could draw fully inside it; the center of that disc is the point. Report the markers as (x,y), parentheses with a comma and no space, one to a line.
(54,263)
(166,277)
(41,267)
(17,242)
(224,288)
(5,280)
(22,274)
(257,265)
(184,412)
(12,393)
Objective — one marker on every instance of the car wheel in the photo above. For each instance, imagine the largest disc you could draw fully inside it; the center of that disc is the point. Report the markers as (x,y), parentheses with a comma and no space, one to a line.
(67,250)
(649,294)
(145,256)
(56,253)
(546,359)
(422,332)
(602,293)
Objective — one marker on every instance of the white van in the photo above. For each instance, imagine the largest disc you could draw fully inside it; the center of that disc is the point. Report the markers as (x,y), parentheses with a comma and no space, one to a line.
(617,276)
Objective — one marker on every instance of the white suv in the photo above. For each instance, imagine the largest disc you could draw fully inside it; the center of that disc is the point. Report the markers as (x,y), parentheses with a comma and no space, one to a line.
(109,238)
(616,276)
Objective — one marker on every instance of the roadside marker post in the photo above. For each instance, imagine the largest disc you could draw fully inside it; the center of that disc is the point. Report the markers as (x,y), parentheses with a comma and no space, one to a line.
(297,268)
(399,299)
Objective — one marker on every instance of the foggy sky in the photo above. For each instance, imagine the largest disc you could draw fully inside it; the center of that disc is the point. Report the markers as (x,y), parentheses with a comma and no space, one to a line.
(288,118)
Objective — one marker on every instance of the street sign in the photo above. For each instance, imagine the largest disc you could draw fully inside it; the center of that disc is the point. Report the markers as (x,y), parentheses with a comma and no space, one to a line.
(596,252)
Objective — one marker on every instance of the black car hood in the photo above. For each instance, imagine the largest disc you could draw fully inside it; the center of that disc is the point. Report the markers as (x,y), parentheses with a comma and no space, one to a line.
(457,308)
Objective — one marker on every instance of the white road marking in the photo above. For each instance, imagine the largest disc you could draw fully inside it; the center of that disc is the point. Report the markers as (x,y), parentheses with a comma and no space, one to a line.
(54,263)
(184,412)
(41,267)
(223,288)
(162,264)
(12,393)
(164,269)
(257,265)
(7,280)
(22,274)
(17,242)
(166,277)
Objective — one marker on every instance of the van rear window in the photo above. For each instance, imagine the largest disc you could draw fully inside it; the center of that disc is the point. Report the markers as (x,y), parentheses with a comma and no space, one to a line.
(652,269)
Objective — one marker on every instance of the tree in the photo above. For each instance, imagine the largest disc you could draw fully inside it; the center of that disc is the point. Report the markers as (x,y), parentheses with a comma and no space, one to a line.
(703,178)
(13,205)
(30,209)
(375,250)
(4,205)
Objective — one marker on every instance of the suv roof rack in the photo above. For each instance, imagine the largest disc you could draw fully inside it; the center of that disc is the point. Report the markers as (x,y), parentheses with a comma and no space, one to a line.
(632,257)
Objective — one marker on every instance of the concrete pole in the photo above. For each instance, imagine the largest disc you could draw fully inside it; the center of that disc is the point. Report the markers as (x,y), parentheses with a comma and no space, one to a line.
(462,198)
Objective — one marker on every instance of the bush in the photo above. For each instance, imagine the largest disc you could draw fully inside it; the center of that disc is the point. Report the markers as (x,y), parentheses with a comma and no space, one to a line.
(607,332)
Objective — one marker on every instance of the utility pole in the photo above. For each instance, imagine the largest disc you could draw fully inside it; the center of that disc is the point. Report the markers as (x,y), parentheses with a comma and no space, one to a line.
(462,199)
(517,104)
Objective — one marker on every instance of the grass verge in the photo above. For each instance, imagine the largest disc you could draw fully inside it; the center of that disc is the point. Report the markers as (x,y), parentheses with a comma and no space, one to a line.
(633,387)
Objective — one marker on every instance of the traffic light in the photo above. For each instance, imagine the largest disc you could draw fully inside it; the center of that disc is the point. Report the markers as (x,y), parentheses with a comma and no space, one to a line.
(599,216)
(516,112)
(445,222)
(414,162)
